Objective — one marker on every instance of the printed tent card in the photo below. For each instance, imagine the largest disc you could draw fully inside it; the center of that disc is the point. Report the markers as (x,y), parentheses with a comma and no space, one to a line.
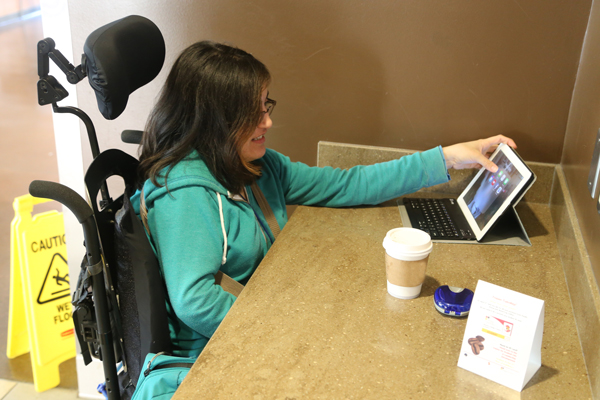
(503,337)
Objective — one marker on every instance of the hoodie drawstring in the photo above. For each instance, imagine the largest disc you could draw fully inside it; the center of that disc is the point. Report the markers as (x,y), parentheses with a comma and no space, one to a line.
(224,260)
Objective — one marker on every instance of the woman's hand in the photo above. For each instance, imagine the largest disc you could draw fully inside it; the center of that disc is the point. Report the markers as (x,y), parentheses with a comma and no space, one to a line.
(475,154)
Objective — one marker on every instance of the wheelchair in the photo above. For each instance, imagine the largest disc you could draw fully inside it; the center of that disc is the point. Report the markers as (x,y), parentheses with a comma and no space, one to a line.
(119,308)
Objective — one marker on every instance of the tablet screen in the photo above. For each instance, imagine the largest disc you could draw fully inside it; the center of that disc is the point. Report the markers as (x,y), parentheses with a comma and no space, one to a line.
(491,190)
(487,196)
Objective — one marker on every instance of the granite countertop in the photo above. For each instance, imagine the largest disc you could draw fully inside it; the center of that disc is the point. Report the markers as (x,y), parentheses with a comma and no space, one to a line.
(315,321)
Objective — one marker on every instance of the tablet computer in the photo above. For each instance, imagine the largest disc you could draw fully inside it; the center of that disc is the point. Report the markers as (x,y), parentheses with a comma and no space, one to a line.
(478,208)
(489,194)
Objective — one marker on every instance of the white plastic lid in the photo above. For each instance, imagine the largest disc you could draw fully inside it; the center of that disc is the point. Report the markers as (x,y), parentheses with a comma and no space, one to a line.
(407,244)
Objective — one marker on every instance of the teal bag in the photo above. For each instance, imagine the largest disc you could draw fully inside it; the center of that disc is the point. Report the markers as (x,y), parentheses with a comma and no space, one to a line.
(162,376)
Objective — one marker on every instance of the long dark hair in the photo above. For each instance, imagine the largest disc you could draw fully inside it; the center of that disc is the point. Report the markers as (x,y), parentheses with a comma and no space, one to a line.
(211,102)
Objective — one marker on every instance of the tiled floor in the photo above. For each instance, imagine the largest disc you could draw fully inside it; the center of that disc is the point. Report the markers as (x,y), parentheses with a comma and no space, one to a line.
(11,390)
(27,152)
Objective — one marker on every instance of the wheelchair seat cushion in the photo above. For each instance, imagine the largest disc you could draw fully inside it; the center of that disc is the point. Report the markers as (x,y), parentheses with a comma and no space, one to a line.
(121,57)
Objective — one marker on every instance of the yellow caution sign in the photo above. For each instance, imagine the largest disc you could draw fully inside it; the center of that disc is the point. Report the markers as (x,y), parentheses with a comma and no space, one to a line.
(39,318)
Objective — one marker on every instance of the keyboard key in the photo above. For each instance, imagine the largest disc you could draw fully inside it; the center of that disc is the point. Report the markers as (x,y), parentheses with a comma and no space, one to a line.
(434,219)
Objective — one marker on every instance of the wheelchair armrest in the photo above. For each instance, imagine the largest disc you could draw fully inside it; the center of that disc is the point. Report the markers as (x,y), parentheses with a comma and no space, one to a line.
(131,136)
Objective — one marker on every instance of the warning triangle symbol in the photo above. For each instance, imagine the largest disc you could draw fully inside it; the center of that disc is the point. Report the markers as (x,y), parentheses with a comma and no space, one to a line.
(56,283)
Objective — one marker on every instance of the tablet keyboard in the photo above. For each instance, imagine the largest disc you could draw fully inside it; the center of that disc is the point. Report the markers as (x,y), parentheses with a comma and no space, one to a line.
(438,217)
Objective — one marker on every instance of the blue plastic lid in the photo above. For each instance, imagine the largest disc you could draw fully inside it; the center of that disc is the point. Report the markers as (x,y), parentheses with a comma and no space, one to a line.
(453,301)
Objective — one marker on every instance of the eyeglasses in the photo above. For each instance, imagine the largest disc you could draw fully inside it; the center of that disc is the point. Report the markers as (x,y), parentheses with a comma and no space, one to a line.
(269,105)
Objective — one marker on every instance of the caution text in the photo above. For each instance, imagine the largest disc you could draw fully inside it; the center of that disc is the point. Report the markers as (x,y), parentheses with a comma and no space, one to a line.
(48,243)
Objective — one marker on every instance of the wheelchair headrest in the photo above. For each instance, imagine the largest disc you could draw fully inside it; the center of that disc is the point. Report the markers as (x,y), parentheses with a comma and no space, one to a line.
(121,57)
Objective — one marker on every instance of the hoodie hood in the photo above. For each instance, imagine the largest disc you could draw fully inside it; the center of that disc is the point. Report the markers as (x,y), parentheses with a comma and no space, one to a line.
(191,171)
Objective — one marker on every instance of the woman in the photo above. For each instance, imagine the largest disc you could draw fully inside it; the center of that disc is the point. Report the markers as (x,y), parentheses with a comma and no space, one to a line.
(205,145)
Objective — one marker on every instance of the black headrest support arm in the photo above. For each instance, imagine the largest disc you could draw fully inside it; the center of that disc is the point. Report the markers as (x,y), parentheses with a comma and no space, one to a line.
(49,89)
(46,50)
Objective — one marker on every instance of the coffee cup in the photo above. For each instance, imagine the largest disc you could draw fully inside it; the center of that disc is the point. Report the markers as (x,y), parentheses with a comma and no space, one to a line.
(406,254)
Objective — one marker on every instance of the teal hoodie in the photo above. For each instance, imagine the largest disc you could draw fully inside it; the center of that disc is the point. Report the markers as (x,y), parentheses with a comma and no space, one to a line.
(192,220)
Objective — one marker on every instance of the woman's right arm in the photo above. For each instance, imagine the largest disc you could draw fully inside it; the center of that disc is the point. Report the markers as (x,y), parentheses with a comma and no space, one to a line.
(186,232)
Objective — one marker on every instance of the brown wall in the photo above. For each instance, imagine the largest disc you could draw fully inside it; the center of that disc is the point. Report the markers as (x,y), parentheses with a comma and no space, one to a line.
(415,74)
(582,128)
(410,74)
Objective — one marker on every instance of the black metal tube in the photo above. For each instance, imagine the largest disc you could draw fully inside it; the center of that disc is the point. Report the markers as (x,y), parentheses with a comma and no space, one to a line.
(94,256)
(106,337)
(91,131)
(85,216)
(89,126)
